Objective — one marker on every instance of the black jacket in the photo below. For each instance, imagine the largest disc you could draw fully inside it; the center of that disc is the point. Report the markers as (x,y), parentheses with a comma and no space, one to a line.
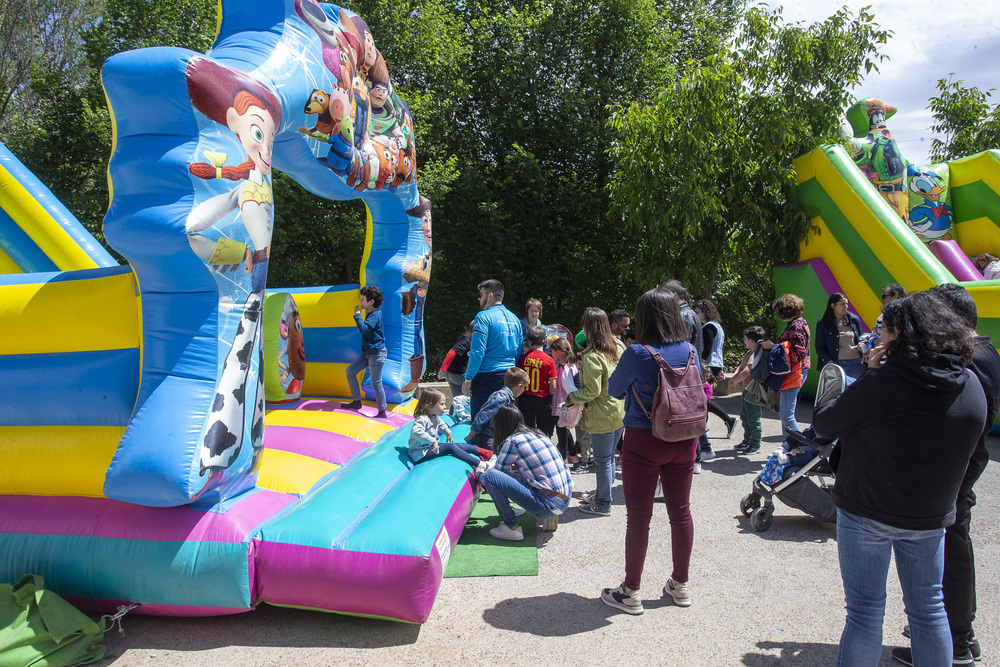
(986,365)
(828,340)
(907,431)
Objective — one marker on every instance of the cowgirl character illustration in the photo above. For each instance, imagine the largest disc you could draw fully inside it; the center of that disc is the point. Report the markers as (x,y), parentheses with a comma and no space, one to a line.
(252,112)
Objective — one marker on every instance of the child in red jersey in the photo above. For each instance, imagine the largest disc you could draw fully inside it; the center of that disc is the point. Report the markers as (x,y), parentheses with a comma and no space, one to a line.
(536,401)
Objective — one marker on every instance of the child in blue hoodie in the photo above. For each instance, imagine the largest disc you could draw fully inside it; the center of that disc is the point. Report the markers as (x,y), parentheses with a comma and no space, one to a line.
(373,352)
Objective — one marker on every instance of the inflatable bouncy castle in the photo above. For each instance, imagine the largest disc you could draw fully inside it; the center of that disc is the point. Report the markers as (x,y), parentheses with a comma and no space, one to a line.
(878,219)
(166,439)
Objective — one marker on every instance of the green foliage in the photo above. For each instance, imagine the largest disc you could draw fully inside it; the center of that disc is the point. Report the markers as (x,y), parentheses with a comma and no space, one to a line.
(315,241)
(969,122)
(530,207)
(704,181)
(511,101)
(38,36)
(67,140)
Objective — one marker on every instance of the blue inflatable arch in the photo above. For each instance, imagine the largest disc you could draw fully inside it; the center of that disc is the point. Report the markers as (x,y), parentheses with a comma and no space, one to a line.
(290,85)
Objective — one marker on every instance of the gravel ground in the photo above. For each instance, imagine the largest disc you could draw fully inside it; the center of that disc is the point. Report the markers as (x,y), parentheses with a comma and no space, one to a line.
(772,598)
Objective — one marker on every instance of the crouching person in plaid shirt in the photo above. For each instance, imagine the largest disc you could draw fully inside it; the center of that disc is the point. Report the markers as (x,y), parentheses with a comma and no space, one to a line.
(529,471)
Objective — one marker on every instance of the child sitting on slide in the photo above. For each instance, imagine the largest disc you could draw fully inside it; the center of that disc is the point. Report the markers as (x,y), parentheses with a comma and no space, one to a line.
(425,434)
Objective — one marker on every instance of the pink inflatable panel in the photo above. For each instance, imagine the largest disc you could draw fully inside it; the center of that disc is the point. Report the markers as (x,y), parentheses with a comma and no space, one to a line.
(954,259)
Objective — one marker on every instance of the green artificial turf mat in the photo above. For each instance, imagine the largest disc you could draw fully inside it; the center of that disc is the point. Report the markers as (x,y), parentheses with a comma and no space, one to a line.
(478,554)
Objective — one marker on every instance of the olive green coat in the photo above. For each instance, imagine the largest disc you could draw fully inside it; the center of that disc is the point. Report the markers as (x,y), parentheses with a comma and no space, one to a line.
(601,412)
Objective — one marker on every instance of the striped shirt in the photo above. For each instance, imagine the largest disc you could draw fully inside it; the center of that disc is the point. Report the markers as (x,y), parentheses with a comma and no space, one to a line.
(532,459)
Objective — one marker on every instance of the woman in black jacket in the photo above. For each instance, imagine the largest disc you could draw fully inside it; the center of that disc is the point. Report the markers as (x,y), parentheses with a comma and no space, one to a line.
(838,335)
(907,431)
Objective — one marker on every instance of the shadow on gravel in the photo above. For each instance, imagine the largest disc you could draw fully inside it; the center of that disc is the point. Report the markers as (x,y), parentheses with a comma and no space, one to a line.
(727,463)
(792,653)
(801,528)
(558,614)
(267,626)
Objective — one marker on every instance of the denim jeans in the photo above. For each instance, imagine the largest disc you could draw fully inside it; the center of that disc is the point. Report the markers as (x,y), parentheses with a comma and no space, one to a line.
(603,445)
(864,547)
(853,368)
(482,385)
(460,450)
(374,364)
(786,410)
(504,488)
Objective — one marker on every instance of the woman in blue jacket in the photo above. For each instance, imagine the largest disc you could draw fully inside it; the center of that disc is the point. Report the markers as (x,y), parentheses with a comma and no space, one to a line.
(838,337)
(645,459)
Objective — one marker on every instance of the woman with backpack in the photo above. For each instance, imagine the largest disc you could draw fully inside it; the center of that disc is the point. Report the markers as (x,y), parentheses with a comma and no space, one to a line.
(646,458)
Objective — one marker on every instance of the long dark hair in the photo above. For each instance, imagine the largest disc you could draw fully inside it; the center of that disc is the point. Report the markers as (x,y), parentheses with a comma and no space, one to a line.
(829,320)
(506,422)
(658,319)
(597,329)
(926,325)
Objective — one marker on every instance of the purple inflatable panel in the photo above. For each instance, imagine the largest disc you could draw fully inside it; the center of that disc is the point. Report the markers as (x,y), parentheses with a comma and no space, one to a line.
(322,445)
(953,258)
(367,584)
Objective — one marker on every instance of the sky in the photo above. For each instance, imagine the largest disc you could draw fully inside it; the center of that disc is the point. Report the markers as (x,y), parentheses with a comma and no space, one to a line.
(955,39)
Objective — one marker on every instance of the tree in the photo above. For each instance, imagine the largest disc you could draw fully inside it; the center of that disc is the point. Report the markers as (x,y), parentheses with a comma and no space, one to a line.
(969,123)
(530,206)
(704,179)
(39,35)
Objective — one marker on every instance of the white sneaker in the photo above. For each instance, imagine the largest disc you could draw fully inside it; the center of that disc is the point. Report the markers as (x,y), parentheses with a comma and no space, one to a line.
(707,455)
(679,592)
(518,511)
(502,532)
(697,468)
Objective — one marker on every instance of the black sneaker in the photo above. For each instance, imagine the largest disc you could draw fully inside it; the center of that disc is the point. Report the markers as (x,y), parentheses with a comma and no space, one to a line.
(580,468)
(743,446)
(730,427)
(752,449)
(961,656)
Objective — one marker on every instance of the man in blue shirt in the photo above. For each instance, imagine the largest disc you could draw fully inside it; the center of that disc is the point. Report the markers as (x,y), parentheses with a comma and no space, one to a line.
(495,347)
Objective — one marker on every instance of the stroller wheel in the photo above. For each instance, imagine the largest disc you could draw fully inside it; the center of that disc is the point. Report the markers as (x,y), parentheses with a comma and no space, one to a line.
(750,502)
(761,518)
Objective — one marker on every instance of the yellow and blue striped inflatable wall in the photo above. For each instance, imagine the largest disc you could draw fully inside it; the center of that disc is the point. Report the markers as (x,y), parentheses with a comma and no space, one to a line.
(71,358)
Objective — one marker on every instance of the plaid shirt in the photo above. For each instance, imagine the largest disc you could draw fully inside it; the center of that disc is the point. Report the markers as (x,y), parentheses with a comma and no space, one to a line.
(534,461)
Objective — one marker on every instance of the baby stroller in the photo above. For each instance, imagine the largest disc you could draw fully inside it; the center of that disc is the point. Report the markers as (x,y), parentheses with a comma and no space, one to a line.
(796,488)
